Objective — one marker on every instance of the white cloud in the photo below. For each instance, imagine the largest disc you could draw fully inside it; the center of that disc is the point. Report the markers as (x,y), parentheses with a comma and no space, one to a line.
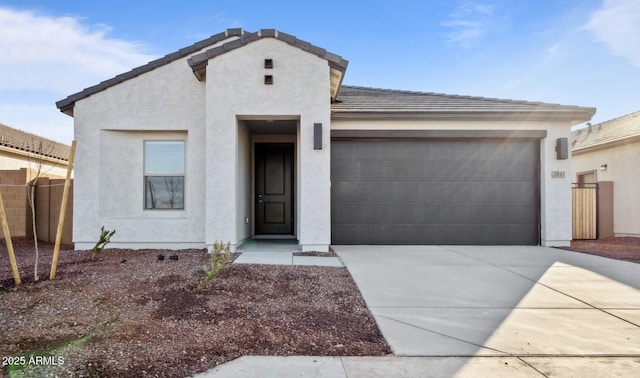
(47,58)
(59,53)
(555,54)
(617,24)
(469,22)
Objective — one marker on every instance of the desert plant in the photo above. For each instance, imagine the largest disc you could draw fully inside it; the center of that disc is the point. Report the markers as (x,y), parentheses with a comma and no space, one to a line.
(105,238)
(220,258)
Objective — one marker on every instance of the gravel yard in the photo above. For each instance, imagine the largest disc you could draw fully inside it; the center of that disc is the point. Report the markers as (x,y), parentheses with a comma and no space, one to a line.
(623,248)
(127,314)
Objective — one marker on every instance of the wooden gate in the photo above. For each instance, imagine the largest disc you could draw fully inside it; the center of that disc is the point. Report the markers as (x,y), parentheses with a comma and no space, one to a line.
(584,205)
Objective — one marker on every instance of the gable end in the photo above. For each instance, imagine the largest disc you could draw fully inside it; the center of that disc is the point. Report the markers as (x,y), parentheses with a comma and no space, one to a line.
(337,64)
(66,105)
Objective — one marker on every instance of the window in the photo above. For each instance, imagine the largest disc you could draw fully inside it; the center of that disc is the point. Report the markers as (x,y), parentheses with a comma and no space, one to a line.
(164,174)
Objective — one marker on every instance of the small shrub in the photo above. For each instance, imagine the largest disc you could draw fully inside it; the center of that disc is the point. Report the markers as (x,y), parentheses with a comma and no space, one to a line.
(105,238)
(220,258)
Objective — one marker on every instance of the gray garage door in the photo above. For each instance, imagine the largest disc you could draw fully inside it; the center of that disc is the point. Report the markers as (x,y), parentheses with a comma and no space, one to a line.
(475,191)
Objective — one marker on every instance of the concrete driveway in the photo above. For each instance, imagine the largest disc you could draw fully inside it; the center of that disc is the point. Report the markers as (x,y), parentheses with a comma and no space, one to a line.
(544,309)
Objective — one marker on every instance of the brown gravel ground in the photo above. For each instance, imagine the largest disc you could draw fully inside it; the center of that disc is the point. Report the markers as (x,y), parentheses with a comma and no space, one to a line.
(126,314)
(622,248)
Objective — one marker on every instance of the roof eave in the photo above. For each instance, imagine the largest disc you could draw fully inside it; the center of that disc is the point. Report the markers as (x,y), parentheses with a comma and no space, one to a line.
(32,155)
(606,144)
(576,116)
(66,107)
(336,77)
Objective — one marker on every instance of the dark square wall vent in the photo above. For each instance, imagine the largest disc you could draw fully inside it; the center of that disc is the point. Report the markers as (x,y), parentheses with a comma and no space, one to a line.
(268,63)
(268,79)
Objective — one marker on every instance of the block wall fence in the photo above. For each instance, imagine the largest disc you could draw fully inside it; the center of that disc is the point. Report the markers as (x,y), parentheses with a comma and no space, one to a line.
(14,186)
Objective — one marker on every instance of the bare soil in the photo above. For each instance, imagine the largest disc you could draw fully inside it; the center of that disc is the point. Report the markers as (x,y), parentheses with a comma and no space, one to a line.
(127,314)
(621,248)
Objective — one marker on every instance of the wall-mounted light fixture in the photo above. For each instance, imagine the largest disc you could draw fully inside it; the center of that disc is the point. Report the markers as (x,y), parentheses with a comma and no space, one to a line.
(317,136)
(562,149)
(603,167)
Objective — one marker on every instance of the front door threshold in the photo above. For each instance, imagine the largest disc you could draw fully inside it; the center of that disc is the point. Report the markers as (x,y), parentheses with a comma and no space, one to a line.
(269,245)
(276,236)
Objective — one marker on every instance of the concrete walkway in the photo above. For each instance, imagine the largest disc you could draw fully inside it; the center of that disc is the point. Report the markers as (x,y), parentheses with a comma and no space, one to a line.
(420,367)
(483,311)
(285,258)
(279,252)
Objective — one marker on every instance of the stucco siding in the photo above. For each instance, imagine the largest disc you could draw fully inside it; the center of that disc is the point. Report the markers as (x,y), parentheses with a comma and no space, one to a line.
(244,200)
(236,90)
(623,169)
(555,193)
(110,127)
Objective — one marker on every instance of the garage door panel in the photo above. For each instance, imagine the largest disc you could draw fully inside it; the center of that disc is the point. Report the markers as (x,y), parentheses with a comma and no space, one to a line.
(386,213)
(376,152)
(467,150)
(453,171)
(429,192)
(402,234)
(491,192)
(435,192)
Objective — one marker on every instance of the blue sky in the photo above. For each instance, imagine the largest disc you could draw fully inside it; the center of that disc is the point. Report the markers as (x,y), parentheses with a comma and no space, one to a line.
(573,52)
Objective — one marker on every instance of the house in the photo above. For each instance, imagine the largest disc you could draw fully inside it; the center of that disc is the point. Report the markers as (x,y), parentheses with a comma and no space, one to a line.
(25,157)
(252,134)
(21,149)
(609,152)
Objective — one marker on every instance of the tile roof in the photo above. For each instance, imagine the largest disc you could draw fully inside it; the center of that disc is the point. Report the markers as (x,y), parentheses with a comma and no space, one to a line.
(32,144)
(375,103)
(198,62)
(66,105)
(354,102)
(605,133)
(237,38)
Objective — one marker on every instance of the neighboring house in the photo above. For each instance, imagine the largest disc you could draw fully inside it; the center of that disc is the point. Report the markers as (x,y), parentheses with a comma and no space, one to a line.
(610,152)
(20,149)
(253,134)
